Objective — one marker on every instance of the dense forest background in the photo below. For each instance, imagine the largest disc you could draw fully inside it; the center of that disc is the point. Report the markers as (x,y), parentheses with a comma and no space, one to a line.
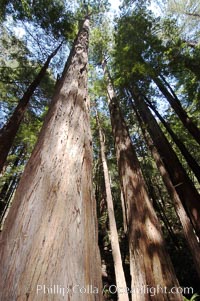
(144,89)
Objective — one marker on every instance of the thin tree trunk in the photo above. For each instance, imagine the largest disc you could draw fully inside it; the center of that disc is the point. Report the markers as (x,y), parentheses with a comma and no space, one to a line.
(5,191)
(49,241)
(176,105)
(190,237)
(124,212)
(8,198)
(183,185)
(161,213)
(150,264)
(188,157)
(9,131)
(119,272)
(3,195)
(192,14)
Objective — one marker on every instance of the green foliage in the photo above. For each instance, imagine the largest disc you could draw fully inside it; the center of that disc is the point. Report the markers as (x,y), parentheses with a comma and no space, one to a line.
(195,297)
(187,14)
(92,8)
(130,5)
(54,16)
(142,47)
(139,57)
(17,72)
(100,42)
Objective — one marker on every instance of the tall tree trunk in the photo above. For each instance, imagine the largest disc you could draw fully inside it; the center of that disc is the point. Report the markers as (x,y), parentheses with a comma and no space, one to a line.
(8,198)
(150,264)
(10,182)
(9,131)
(188,157)
(190,237)
(49,241)
(176,105)
(119,272)
(161,212)
(182,183)
(125,226)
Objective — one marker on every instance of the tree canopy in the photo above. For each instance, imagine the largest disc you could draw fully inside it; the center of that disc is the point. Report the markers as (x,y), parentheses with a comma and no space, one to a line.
(152,63)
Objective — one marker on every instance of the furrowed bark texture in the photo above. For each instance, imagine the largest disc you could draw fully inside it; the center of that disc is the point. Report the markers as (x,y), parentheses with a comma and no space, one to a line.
(9,131)
(119,272)
(190,237)
(149,262)
(50,235)
(182,183)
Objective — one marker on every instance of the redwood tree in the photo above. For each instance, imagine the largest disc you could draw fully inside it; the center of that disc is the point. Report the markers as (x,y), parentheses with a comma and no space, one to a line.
(188,229)
(176,105)
(150,264)
(49,237)
(119,272)
(186,154)
(182,183)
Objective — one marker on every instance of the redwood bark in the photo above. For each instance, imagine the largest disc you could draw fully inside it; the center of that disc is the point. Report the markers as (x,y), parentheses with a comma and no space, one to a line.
(182,183)
(190,237)
(176,105)
(150,264)
(9,131)
(119,272)
(49,238)
(188,157)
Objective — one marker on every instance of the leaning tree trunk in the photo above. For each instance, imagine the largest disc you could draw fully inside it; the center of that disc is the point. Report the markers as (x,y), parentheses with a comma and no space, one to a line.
(186,154)
(160,210)
(49,241)
(182,183)
(119,271)
(150,264)
(9,131)
(190,237)
(8,199)
(9,183)
(176,105)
